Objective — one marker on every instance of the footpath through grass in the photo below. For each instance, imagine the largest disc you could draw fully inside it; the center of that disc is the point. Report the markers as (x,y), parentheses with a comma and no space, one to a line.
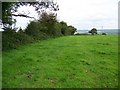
(65,62)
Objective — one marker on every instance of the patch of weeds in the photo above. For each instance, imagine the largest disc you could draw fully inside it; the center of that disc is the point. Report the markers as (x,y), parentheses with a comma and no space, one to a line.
(93,50)
(62,79)
(60,69)
(79,54)
(71,76)
(24,55)
(102,62)
(38,60)
(19,73)
(29,75)
(98,52)
(104,43)
(92,70)
(101,52)
(37,69)
(29,59)
(35,80)
(85,62)
(73,68)
(52,80)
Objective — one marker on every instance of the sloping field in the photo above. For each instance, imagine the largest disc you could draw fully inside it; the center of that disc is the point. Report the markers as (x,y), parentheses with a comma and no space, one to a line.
(65,62)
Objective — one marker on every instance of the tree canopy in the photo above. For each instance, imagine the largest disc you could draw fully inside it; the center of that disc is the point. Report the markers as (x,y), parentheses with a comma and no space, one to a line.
(93,31)
(47,26)
(9,8)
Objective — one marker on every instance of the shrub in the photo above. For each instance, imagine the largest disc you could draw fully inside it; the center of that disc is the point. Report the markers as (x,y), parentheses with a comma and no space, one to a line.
(12,39)
(104,33)
(47,26)
(36,30)
(93,31)
(77,34)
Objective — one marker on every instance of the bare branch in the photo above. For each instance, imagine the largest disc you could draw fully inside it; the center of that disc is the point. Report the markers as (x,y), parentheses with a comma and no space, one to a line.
(22,15)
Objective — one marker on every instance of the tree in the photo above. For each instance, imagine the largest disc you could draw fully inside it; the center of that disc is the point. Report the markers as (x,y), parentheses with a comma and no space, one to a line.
(67,30)
(20,30)
(72,30)
(63,27)
(32,28)
(46,25)
(48,20)
(93,31)
(9,8)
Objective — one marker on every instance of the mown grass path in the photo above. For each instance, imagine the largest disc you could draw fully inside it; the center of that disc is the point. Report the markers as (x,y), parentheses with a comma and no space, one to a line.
(65,62)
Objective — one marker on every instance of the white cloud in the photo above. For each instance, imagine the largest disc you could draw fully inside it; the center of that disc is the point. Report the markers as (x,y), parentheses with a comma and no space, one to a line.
(83,14)
(28,10)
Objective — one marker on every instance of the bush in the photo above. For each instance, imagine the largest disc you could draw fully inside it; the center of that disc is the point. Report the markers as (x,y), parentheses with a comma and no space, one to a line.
(104,33)
(46,27)
(77,34)
(36,30)
(93,31)
(12,39)
(8,39)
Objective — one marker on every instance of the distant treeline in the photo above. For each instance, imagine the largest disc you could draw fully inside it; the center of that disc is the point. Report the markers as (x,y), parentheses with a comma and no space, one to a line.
(46,27)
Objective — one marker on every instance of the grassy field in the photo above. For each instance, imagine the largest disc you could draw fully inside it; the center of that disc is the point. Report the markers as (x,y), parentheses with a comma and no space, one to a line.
(65,62)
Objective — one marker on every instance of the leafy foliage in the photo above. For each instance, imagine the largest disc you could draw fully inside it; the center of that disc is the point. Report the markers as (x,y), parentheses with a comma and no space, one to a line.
(12,39)
(49,21)
(63,27)
(6,14)
(93,31)
(9,8)
(47,26)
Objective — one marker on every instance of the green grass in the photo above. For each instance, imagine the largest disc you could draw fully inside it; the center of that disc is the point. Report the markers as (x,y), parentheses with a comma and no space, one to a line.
(65,62)
(0,70)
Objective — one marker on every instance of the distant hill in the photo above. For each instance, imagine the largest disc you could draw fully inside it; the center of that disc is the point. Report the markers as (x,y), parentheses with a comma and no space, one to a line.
(108,31)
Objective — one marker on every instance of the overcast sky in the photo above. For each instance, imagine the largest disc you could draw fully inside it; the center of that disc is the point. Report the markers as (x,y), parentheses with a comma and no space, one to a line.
(83,14)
